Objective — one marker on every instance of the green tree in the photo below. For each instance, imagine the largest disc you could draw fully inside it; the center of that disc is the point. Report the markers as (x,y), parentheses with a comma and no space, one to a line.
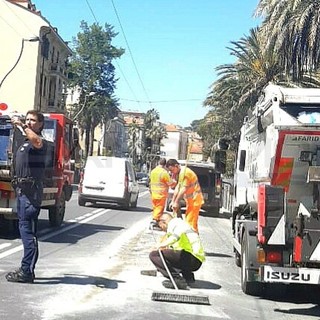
(154,132)
(291,29)
(93,75)
(239,84)
(134,139)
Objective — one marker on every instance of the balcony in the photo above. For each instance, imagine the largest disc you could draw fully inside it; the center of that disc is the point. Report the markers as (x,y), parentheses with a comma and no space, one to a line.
(58,70)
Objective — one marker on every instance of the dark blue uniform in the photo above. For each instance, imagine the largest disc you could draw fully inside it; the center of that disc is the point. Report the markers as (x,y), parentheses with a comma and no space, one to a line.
(29,174)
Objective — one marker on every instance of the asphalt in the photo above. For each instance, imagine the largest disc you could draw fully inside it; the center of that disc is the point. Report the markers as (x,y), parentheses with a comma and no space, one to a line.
(205,284)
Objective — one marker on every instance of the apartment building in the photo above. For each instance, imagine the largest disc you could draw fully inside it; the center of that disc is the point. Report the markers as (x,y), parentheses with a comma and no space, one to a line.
(33,72)
(175,146)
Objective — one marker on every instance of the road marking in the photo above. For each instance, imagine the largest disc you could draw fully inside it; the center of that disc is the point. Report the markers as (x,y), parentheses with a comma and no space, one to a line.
(10,252)
(43,235)
(4,245)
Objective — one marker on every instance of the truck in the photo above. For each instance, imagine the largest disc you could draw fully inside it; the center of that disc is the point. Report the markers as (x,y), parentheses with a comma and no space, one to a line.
(59,133)
(276,195)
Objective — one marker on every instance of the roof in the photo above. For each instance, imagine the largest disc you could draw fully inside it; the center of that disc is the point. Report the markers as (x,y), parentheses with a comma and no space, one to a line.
(172,128)
(196,147)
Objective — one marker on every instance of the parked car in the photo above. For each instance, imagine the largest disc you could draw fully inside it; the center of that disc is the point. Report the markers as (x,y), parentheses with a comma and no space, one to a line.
(143,178)
(210,183)
(110,180)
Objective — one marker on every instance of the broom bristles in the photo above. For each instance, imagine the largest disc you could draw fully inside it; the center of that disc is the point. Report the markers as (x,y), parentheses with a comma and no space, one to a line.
(180,298)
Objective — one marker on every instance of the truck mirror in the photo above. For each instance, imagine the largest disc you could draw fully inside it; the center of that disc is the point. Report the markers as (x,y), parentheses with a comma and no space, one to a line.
(242,162)
(259,125)
(220,159)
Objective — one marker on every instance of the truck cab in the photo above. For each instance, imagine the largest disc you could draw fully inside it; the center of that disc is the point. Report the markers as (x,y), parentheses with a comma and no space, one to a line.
(58,132)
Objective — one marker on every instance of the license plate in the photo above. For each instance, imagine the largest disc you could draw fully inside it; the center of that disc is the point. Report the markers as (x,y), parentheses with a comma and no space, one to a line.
(96,188)
(290,275)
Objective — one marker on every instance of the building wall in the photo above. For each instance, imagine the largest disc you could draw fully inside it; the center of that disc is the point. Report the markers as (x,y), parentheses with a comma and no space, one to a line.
(176,144)
(22,64)
(170,148)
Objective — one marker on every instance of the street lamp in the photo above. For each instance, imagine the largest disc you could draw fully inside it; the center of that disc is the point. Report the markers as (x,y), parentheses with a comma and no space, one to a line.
(90,94)
(34,39)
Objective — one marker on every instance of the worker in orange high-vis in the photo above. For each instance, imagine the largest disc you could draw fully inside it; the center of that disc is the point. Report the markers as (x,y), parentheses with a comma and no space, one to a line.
(160,181)
(188,187)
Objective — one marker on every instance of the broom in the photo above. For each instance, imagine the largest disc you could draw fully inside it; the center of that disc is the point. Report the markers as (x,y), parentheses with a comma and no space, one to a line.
(177,296)
(178,212)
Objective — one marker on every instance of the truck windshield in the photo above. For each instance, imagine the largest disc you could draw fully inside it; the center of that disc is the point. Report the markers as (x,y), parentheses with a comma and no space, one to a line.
(4,145)
(49,129)
(298,109)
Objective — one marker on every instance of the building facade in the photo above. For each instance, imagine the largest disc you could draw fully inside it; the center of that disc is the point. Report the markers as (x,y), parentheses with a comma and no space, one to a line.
(175,146)
(33,64)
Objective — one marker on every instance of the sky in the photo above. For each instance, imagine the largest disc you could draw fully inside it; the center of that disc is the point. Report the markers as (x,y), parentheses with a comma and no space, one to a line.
(172,47)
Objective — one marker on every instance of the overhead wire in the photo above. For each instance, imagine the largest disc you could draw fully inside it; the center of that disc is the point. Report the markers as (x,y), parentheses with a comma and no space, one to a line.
(162,101)
(88,4)
(131,55)
(18,17)
(123,75)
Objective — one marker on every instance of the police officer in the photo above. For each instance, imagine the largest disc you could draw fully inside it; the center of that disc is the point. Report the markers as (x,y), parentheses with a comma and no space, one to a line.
(29,167)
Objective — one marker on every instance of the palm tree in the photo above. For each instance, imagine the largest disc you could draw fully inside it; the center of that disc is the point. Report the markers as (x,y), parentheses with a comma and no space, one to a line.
(240,83)
(291,29)
(154,130)
(134,133)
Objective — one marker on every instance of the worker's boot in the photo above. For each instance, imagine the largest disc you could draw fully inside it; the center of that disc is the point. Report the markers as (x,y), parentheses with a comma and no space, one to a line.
(179,281)
(154,225)
(20,276)
(189,277)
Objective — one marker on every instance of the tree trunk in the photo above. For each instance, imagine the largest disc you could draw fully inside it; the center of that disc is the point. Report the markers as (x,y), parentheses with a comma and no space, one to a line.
(91,139)
(86,146)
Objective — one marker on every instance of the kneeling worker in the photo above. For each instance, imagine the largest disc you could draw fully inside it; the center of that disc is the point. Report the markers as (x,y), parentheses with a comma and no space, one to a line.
(181,249)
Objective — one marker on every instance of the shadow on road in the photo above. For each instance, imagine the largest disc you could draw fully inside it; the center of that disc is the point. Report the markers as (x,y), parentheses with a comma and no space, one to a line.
(312,311)
(80,280)
(82,231)
(202,284)
(221,255)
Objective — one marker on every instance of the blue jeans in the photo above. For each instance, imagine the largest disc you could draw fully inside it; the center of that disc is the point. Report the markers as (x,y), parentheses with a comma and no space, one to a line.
(28,221)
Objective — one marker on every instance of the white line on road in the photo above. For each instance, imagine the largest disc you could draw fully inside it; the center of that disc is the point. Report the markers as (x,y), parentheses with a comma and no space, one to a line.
(4,245)
(43,235)
(55,233)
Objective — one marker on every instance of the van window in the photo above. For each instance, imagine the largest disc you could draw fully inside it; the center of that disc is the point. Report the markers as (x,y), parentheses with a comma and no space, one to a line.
(206,177)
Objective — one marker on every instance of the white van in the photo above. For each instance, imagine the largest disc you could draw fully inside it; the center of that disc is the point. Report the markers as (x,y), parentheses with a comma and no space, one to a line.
(110,180)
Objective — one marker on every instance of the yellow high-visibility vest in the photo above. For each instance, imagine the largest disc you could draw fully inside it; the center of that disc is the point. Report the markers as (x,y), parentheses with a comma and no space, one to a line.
(159,182)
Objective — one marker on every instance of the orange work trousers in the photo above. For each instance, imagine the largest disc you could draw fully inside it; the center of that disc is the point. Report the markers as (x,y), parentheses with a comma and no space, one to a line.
(158,206)
(192,215)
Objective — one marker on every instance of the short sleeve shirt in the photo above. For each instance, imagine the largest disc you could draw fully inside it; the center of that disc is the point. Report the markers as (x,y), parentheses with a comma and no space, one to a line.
(30,161)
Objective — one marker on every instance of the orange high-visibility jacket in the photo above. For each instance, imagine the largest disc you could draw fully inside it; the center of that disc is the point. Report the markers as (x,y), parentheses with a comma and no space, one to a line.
(189,180)
(159,183)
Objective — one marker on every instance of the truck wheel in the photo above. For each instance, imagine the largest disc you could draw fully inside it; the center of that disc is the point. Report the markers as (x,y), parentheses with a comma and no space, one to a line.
(9,227)
(126,204)
(252,288)
(68,191)
(56,213)
(135,203)
(81,202)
